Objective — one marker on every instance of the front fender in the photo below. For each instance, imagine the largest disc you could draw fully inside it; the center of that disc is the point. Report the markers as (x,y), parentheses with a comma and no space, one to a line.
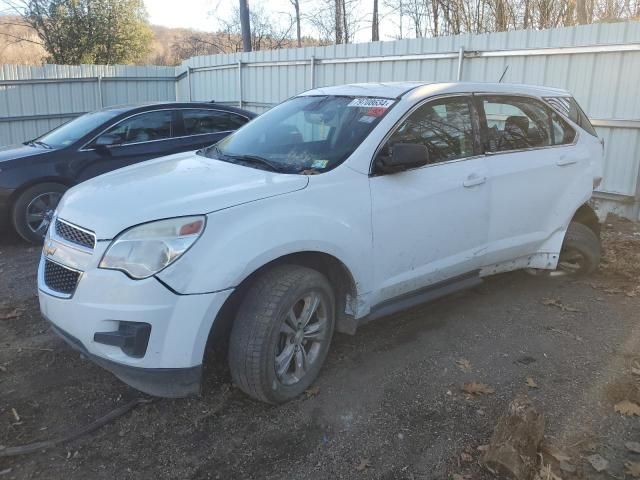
(331,217)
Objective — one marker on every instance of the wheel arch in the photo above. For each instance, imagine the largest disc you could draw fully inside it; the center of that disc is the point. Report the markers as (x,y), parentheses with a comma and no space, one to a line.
(338,274)
(587,216)
(37,181)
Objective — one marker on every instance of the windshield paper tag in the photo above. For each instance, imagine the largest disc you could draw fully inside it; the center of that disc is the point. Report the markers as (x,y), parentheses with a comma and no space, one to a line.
(383,103)
(319,163)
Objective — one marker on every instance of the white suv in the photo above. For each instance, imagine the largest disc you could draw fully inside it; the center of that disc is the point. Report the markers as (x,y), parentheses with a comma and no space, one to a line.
(338,206)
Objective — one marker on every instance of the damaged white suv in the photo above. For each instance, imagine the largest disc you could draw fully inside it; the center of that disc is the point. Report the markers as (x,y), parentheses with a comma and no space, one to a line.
(338,206)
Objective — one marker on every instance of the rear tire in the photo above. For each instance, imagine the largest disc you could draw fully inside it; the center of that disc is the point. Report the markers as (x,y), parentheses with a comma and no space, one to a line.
(273,355)
(33,209)
(580,254)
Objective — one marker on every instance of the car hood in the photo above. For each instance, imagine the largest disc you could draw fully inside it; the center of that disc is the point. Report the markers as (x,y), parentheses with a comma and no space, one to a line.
(14,152)
(173,186)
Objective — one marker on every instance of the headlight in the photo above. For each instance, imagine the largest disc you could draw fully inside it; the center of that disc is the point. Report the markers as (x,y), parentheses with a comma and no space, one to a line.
(144,250)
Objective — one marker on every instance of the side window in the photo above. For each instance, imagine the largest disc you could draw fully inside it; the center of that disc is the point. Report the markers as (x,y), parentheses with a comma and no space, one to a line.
(199,122)
(569,107)
(515,123)
(562,132)
(444,126)
(141,128)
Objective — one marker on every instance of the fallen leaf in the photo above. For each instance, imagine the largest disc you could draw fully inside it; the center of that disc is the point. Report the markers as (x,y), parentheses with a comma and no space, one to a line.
(632,468)
(483,448)
(15,414)
(556,453)
(633,447)
(6,471)
(628,408)
(531,383)
(464,364)
(8,315)
(475,388)
(465,457)
(598,462)
(364,464)
(553,302)
(312,392)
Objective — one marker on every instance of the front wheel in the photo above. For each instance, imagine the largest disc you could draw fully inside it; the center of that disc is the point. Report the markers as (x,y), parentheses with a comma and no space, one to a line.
(33,210)
(281,334)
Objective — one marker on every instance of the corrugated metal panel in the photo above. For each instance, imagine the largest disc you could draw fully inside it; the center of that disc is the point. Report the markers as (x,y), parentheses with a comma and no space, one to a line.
(605,84)
(49,95)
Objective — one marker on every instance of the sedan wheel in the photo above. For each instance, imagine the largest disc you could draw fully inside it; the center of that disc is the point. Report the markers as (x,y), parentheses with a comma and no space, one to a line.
(34,209)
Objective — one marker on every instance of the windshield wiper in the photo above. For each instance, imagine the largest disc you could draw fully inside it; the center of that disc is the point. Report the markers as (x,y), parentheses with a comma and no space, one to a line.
(40,144)
(256,160)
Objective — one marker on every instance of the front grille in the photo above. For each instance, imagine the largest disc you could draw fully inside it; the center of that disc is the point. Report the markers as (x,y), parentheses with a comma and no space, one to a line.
(60,279)
(75,235)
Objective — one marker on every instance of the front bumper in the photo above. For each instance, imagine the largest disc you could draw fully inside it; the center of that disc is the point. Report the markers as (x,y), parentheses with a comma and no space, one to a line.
(103,299)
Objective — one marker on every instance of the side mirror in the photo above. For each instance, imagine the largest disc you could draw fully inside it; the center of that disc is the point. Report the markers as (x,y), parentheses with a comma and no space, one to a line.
(403,156)
(106,140)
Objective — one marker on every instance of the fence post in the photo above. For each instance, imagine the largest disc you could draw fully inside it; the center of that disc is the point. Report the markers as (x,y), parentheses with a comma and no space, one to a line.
(189,81)
(460,63)
(240,83)
(312,78)
(100,100)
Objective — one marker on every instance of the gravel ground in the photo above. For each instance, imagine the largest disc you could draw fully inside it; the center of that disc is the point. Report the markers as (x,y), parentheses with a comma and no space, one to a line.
(389,403)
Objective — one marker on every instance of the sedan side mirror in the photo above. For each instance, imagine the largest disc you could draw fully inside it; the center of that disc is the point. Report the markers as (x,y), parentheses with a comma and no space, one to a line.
(403,156)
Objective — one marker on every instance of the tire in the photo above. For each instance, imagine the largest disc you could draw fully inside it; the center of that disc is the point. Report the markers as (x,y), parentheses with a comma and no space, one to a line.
(262,333)
(580,253)
(42,198)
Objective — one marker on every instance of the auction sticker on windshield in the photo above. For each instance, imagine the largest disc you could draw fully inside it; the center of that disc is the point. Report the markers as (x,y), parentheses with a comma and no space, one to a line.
(371,102)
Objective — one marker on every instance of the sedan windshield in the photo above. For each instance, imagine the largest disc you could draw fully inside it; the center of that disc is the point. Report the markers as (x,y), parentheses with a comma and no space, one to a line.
(308,134)
(72,131)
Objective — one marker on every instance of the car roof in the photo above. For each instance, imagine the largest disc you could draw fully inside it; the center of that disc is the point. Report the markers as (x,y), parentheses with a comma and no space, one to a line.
(399,89)
(142,107)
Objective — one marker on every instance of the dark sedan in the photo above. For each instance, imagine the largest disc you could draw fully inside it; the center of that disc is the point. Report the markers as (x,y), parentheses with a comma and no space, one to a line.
(35,175)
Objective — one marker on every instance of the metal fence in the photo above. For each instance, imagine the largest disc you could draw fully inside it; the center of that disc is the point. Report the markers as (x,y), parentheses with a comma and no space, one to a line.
(36,99)
(599,64)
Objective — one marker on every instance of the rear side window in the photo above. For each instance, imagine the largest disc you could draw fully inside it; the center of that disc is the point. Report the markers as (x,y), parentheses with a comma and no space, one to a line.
(518,123)
(445,127)
(199,122)
(569,107)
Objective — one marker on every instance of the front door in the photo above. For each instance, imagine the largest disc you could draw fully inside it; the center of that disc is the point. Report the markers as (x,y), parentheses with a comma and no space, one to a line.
(430,224)
(141,137)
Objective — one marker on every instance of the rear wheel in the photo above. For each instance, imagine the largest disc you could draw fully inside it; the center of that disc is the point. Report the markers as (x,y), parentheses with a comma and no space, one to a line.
(580,254)
(34,208)
(281,334)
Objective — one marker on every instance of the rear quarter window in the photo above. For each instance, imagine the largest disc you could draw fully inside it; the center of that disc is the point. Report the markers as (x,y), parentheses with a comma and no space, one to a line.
(569,107)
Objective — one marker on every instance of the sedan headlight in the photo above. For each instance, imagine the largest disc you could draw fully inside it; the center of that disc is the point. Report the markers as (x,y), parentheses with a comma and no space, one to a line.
(144,250)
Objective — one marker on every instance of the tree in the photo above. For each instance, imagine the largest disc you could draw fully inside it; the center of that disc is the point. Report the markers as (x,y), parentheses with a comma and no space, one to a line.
(245,25)
(88,31)
(296,7)
(375,33)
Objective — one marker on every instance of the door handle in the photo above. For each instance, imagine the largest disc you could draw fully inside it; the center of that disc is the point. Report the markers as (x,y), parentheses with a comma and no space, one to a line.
(566,160)
(473,180)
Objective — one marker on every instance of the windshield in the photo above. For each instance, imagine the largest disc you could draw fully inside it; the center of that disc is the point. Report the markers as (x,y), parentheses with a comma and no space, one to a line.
(308,134)
(72,131)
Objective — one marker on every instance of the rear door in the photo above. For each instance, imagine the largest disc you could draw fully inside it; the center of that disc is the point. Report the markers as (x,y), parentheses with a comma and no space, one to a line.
(200,127)
(531,160)
(137,138)
(430,224)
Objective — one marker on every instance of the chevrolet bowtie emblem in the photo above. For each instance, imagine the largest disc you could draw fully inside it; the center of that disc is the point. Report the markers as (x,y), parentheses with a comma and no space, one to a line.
(49,249)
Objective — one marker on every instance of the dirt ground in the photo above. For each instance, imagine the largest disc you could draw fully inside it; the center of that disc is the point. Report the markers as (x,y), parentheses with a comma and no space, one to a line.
(388,405)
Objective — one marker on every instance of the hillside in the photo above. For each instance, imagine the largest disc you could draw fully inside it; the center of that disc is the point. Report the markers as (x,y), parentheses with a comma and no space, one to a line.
(169,47)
